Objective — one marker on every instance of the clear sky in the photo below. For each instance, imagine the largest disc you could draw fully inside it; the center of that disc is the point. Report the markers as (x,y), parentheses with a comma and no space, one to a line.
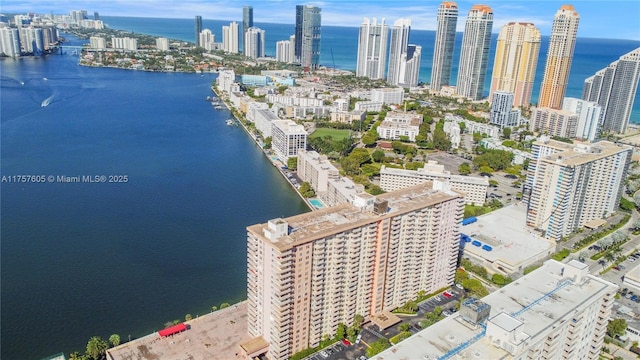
(618,19)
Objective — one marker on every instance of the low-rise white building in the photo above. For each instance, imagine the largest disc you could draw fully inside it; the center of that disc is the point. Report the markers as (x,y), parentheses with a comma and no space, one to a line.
(474,127)
(519,156)
(374,106)
(397,124)
(388,95)
(348,116)
(452,129)
(287,138)
(474,188)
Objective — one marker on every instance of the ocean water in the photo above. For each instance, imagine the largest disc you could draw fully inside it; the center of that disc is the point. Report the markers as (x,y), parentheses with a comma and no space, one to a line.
(339,47)
(85,259)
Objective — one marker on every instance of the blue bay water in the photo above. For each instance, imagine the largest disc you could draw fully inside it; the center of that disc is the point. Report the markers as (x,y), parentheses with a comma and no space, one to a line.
(339,47)
(85,259)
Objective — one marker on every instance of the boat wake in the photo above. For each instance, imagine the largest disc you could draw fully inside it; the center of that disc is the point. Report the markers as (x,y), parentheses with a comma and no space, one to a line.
(46,101)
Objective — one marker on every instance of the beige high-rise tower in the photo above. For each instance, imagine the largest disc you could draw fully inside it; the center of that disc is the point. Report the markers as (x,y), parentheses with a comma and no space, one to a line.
(514,67)
(310,272)
(561,44)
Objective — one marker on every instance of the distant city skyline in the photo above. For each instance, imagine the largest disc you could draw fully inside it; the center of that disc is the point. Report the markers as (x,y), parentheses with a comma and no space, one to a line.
(597,21)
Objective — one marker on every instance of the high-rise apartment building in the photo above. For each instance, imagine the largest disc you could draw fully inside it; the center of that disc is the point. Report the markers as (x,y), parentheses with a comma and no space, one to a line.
(247,18)
(100,43)
(614,89)
(254,43)
(372,49)
(307,36)
(569,185)
(558,311)
(287,138)
(207,39)
(444,45)
(397,50)
(410,70)
(554,122)
(162,44)
(502,113)
(197,28)
(514,68)
(310,272)
(10,42)
(589,117)
(32,40)
(230,38)
(559,56)
(283,51)
(475,52)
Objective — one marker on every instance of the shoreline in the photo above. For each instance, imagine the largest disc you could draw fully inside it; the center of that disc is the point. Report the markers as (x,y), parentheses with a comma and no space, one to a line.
(266,155)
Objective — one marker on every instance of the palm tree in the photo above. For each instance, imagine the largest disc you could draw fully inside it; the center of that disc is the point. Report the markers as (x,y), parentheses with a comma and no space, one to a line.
(609,256)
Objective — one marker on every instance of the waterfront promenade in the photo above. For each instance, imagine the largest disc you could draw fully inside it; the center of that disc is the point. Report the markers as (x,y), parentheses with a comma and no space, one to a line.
(215,336)
(275,162)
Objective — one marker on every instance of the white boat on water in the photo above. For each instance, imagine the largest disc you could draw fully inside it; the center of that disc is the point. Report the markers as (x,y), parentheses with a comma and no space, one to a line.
(230,122)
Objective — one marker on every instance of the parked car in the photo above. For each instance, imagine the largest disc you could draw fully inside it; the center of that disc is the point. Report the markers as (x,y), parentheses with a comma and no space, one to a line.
(446,294)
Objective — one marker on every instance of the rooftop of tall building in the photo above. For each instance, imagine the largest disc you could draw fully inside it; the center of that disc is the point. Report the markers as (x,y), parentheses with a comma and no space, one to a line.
(333,220)
(486,9)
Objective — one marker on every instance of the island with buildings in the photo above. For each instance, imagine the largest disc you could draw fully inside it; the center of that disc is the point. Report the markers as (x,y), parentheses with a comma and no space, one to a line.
(444,225)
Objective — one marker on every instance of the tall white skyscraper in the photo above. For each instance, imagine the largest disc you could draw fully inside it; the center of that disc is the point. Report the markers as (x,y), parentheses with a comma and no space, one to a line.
(398,49)
(254,43)
(589,117)
(614,89)
(283,51)
(372,49)
(475,52)
(444,45)
(562,41)
(207,39)
(9,42)
(230,38)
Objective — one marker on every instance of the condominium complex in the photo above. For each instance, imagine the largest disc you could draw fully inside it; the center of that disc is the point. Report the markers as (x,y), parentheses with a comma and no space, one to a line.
(372,49)
(559,56)
(397,125)
(197,28)
(162,44)
(9,42)
(285,50)
(589,116)
(502,113)
(207,39)
(473,188)
(100,43)
(32,40)
(554,122)
(287,138)
(254,43)
(444,45)
(558,311)
(247,19)
(308,273)
(325,179)
(475,52)
(397,50)
(387,95)
(514,67)
(230,38)
(125,43)
(614,89)
(569,185)
(307,36)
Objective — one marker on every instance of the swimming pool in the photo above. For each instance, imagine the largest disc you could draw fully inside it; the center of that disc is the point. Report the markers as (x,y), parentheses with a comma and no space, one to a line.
(316,203)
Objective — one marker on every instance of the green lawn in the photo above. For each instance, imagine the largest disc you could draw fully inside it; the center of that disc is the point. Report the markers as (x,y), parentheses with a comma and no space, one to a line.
(337,134)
